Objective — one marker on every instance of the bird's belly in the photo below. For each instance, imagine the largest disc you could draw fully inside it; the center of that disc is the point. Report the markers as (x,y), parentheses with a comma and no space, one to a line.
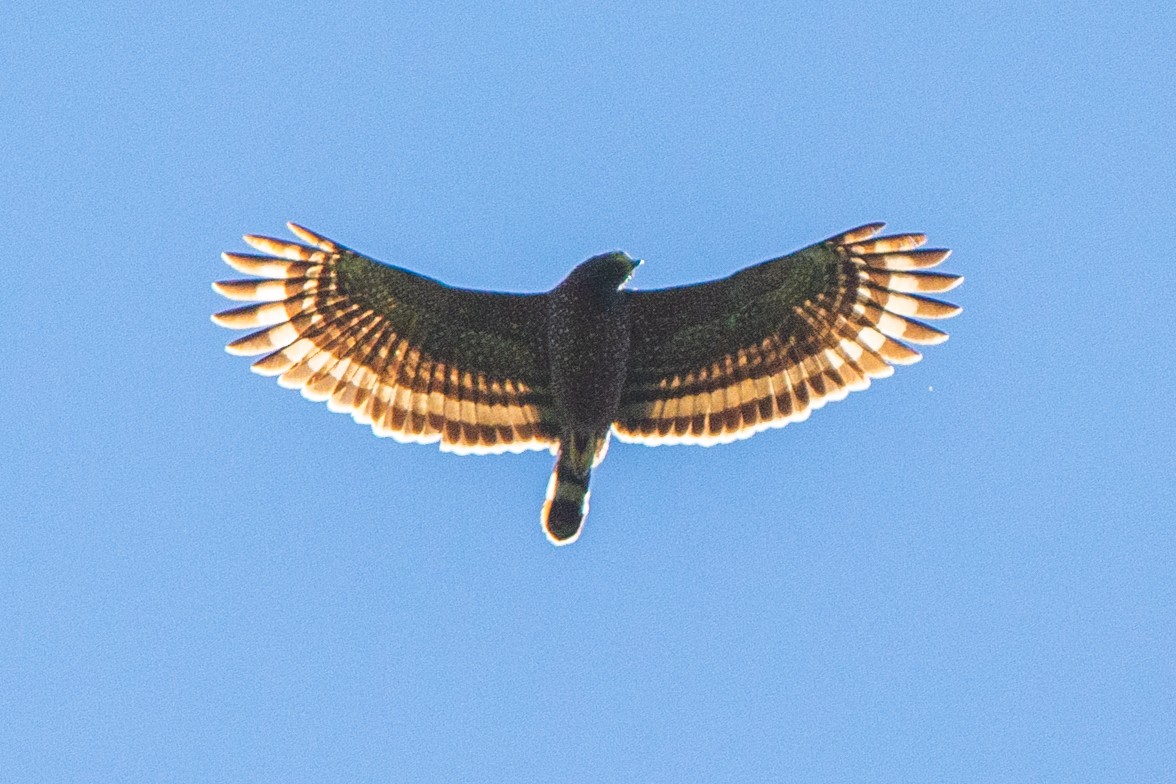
(588,397)
(589,364)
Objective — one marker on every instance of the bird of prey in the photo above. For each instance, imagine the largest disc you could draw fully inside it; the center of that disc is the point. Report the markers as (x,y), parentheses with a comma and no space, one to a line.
(484,372)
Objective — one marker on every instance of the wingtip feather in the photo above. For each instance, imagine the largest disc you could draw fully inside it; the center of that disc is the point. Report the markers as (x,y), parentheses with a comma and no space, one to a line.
(859,233)
(312,238)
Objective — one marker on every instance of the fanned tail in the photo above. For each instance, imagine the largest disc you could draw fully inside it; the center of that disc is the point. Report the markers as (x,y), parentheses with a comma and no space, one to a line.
(567,492)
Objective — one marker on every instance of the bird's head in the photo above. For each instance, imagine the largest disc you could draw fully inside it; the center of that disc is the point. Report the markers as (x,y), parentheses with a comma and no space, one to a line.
(606,272)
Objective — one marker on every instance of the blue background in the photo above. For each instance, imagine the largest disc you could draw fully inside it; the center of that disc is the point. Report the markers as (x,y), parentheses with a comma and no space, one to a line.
(967,573)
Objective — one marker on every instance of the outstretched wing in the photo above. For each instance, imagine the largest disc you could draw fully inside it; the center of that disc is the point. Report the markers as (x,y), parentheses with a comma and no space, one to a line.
(719,361)
(414,358)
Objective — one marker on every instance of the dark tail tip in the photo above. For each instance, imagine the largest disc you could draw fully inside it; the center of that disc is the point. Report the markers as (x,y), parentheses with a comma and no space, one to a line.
(563,520)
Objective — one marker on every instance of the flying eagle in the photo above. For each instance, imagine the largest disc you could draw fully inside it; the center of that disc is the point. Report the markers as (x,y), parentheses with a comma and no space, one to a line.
(485,372)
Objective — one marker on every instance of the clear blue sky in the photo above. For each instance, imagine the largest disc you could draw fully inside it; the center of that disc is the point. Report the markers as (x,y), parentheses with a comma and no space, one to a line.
(967,573)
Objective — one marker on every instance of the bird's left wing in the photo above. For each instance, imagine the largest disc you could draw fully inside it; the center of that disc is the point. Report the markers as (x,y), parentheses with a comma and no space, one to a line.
(719,361)
(416,359)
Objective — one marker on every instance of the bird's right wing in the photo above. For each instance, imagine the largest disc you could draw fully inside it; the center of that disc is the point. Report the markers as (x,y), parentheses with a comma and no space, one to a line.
(416,359)
(719,361)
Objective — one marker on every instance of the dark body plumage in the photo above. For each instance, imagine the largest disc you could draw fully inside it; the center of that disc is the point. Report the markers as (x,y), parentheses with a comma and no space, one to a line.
(588,343)
(489,372)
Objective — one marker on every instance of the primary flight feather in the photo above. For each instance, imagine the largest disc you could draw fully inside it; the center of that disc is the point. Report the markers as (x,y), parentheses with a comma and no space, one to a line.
(485,372)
